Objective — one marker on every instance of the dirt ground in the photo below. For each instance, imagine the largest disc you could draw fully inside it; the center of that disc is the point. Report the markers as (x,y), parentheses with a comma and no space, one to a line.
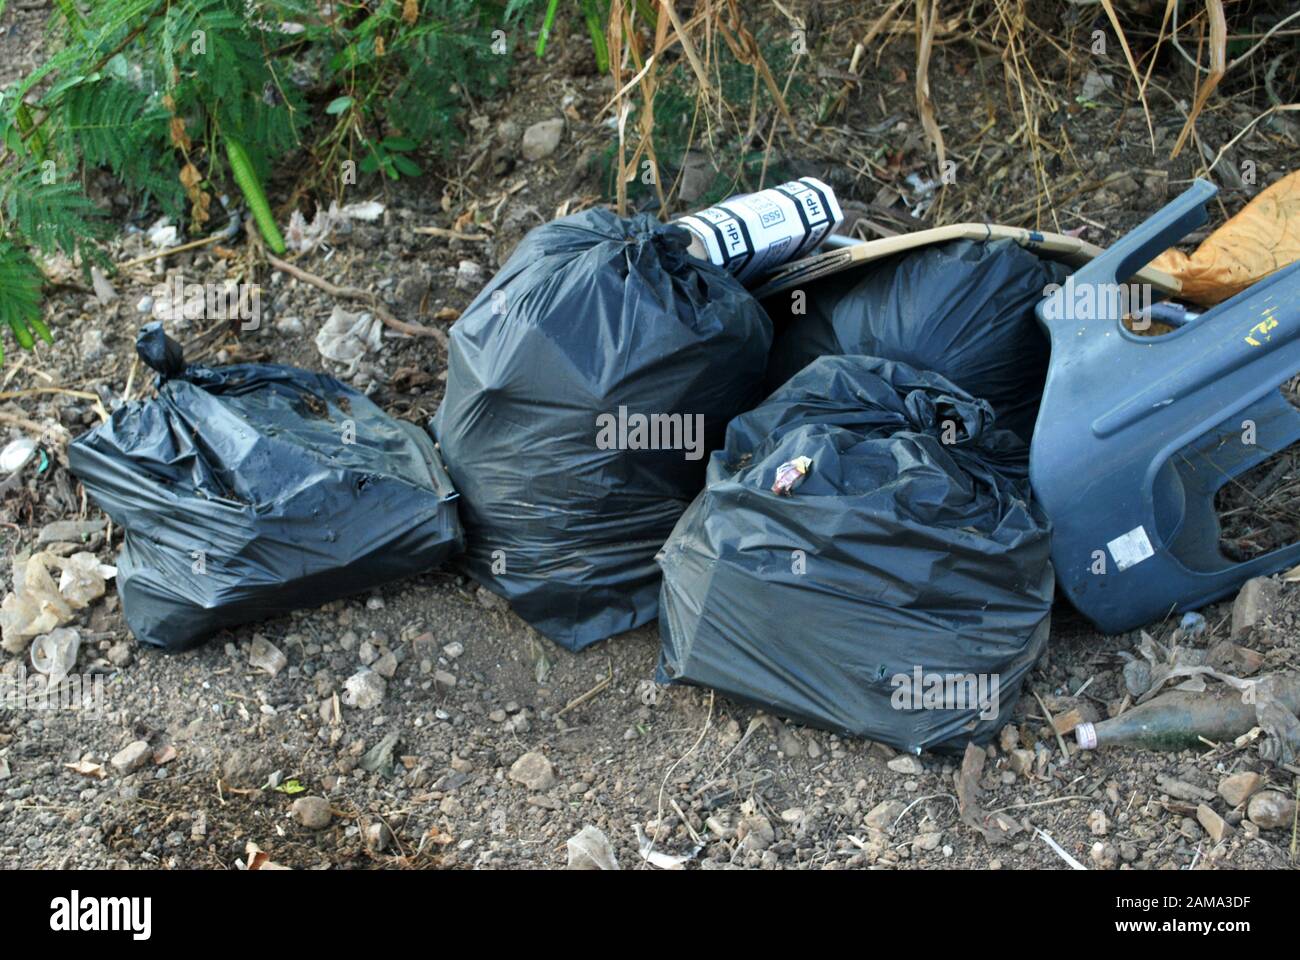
(474,688)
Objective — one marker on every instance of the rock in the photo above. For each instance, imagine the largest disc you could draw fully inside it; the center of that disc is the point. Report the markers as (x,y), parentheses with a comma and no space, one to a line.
(720,827)
(927,841)
(1182,790)
(1022,761)
(1214,824)
(69,531)
(386,666)
(469,275)
(1254,603)
(1098,823)
(131,757)
(489,599)
(1234,659)
(246,767)
(367,653)
(378,837)
(542,139)
(533,771)
(755,833)
(882,815)
(104,291)
(698,175)
(364,690)
(1270,810)
(266,656)
(293,326)
(313,812)
(788,742)
(1104,855)
(1094,86)
(93,348)
(1009,738)
(120,654)
(1239,787)
(453,650)
(1137,677)
(508,131)
(444,680)
(906,764)
(411,291)
(379,758)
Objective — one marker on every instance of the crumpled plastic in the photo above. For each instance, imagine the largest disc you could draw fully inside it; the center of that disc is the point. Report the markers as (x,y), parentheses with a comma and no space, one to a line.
(346,338)
(1264,237)
(55,653)
(590,849)
(37,605)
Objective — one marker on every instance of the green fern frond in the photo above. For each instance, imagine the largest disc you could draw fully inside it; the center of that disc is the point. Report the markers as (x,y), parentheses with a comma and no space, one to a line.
(49,215)
(20,296)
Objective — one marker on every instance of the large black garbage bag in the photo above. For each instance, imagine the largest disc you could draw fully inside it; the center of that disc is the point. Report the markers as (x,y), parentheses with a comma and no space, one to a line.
(901,561)
(594,322)
(963,309)
(251,490)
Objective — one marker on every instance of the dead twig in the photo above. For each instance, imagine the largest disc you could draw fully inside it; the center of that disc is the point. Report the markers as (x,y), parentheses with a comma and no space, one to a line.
(1051,722)
(446,234)
(1218,66)
(579,701)
(357,294)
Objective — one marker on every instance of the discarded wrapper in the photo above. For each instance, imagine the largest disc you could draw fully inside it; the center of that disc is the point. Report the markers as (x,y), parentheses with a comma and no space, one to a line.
(790,474)
(751,234)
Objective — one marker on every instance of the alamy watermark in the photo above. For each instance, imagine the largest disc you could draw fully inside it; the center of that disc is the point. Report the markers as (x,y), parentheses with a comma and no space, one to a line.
(76,691)
(946,691)
(1098,301)
(178,300)
(654,431)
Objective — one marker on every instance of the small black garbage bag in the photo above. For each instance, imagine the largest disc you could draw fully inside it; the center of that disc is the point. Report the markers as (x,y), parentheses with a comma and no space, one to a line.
(900,591)
(586,385)
(963,309)
(251,490)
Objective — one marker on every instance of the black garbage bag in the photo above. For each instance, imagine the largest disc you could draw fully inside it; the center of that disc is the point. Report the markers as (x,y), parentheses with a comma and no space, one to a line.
(585,386)
(900,592)
(250,490)
(963,309)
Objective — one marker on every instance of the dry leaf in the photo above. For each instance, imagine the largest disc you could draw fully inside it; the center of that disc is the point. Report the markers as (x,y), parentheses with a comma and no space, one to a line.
(410,11)
(438,837)
(179,137)
(87,769)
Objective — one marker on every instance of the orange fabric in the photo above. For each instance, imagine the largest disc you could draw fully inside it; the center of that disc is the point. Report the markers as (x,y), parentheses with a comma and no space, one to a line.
(1262,238)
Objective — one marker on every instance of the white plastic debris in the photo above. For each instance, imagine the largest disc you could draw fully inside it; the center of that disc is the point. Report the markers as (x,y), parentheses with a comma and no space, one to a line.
(104,291)
(163,234)
(346,337)
(589,849)
(302,236)
(55,653)
(37,605)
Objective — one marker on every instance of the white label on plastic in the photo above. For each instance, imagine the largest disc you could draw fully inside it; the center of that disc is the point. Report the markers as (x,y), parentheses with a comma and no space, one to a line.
(1131,549)
(754,233)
